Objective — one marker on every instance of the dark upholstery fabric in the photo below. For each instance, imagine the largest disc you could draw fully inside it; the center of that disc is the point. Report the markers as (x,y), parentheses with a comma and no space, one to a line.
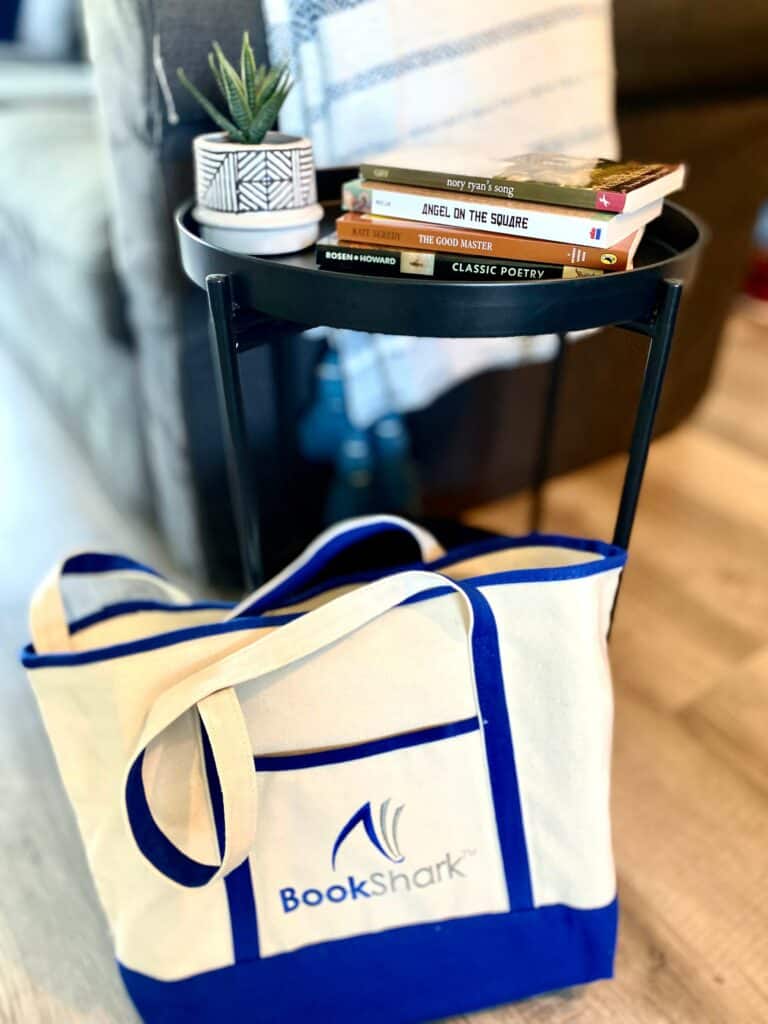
(725,142)
(185,33)
(666,48)
(9,10)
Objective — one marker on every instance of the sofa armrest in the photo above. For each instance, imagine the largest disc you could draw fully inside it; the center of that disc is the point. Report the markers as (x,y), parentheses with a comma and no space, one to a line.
(27,80)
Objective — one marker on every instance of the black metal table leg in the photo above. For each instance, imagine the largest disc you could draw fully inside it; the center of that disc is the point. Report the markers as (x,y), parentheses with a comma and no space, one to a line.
(239,465)
(661,333)
(543,463)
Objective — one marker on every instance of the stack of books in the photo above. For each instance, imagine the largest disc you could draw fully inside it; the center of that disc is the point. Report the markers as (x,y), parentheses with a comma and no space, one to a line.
(447,214)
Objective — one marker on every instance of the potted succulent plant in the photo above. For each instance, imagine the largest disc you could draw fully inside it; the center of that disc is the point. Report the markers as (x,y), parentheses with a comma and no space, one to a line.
(255,188)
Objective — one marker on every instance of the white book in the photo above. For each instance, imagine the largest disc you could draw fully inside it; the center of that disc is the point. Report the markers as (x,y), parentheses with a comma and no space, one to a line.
(501,216)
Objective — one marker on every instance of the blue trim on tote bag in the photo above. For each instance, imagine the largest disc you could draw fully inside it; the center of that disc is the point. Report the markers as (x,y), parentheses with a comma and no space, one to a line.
(497,734)
(154,843)
(238,885)
(403,975)
(31,659)
(322,559)
(612,557)
(112,611)
(355,751)
(93,562)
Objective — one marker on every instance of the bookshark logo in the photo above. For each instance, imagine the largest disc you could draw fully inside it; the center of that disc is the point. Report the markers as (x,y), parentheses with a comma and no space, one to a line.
(385,840)
(382,831)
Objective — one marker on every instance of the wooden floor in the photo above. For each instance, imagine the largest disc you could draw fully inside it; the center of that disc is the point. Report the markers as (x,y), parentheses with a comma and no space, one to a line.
(690,656)
(690,662)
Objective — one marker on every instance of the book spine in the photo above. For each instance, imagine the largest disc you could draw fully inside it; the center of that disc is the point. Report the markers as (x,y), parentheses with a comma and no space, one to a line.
(440,266)
(478,243)
(464,213)
(498,188)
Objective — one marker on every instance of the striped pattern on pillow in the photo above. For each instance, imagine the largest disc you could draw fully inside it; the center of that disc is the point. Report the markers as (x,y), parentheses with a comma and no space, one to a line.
(506,77)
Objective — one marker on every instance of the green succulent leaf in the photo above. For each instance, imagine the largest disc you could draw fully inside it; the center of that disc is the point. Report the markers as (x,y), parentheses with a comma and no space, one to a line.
(261,72)
(267,115)
(270,83)
(217,74)
(215,115)
(248,73)
(234,91)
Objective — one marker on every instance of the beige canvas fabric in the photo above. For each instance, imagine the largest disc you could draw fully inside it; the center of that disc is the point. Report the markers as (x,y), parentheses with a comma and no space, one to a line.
(357,668)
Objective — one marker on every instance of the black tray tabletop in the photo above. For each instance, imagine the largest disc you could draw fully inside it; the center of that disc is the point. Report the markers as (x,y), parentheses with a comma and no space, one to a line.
(292,288)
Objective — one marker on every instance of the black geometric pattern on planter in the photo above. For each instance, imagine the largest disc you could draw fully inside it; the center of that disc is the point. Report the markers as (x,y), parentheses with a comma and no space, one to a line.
(217,182)
(252,181)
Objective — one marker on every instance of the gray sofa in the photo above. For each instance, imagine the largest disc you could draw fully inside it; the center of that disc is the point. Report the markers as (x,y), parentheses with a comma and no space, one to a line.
(62,314)
(93,302)
(61,307)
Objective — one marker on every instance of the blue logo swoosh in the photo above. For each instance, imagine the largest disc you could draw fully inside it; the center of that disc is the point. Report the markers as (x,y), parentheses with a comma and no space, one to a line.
(387,846)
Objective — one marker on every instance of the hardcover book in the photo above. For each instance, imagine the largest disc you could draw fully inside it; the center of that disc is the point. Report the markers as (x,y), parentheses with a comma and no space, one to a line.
(593,184)
(505,216)
(408,235)
(392,262)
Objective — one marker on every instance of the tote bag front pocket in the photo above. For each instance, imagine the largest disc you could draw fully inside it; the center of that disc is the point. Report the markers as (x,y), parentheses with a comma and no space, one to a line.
(379,835)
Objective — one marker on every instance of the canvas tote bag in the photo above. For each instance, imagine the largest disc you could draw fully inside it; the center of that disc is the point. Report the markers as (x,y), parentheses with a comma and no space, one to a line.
(369,792)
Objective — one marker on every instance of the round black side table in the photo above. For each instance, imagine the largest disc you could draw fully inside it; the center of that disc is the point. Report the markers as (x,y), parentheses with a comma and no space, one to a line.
(289,293)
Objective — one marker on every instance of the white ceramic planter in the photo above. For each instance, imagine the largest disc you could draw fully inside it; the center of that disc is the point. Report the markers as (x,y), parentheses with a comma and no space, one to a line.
(259,199)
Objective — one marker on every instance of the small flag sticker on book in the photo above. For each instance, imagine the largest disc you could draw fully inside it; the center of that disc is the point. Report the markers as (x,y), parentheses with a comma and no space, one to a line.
(595,233)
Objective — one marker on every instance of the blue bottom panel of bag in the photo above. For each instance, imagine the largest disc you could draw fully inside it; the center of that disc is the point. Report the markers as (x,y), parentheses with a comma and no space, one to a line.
(401,976)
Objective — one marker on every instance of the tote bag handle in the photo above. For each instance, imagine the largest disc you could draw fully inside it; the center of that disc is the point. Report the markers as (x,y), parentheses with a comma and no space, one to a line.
(340,538)
(211,691)
(48,619)
(49,622)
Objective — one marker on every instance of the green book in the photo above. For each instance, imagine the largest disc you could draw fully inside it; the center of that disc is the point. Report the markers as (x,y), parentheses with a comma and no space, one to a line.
(585,182)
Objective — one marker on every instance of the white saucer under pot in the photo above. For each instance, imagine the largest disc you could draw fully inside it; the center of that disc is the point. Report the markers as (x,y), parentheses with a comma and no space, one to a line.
(261,234)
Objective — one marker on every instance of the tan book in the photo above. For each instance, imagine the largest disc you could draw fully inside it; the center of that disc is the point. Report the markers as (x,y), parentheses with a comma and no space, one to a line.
(408,234)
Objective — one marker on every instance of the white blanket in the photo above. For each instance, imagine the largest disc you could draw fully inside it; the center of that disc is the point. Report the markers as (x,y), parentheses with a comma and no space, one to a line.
(499,76)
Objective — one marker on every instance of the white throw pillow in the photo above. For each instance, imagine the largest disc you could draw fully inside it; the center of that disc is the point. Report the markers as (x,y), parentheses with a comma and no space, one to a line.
(533,75)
